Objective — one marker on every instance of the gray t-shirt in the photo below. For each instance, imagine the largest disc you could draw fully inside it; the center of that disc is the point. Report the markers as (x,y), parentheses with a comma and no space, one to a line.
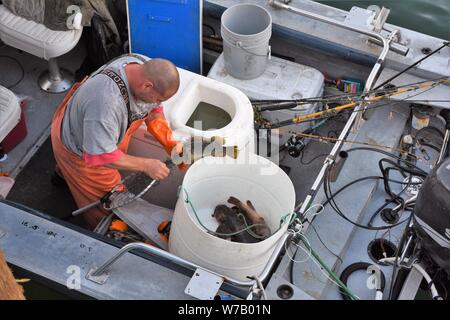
(96,118)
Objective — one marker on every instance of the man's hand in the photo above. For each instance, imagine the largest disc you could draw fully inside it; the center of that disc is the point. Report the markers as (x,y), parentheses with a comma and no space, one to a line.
(178,148)
(155,169)
(152,167)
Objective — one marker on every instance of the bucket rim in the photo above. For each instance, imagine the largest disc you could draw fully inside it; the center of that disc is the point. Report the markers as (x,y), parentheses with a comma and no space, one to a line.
(269,26)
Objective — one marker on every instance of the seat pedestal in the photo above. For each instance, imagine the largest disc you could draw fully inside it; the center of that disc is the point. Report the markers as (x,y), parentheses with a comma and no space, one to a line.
(55,80)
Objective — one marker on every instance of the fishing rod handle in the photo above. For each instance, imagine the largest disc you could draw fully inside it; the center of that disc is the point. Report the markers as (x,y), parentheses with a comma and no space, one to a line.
(85,208)
(169,163)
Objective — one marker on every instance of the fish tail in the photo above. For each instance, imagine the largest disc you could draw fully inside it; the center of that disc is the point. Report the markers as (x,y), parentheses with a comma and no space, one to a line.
(234,200)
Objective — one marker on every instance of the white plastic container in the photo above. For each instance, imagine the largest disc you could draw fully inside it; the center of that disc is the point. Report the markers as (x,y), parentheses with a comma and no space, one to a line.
(282,80)
(194,89)
(9,112)
(209,183)
(246,30)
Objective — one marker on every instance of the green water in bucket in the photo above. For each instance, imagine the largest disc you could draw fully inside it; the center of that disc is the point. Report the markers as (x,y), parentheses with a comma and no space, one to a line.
(211,117)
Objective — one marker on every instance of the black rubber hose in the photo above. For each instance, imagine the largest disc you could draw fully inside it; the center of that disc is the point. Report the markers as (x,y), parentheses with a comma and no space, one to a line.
(363,179)
(21,68)
(429,145)
(430,129)
(396,166)
(353,268)
(379,151)
(330,199)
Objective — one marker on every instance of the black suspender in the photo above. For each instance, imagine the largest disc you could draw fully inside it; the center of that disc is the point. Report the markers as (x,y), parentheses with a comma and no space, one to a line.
(132,55)
(123,91)
(122,86)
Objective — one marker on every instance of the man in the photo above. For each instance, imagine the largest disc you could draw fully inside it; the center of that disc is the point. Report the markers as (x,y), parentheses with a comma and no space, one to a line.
(92,127)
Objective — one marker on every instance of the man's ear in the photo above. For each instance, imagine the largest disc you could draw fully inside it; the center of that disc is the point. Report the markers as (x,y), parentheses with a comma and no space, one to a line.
(148,84)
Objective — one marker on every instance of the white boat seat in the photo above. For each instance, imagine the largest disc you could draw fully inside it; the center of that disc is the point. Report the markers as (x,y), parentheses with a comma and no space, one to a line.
(9,112)
(42,42)
(35,38)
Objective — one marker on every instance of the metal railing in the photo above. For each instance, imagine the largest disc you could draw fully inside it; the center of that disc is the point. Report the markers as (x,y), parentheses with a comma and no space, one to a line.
(182,262)
(376,37)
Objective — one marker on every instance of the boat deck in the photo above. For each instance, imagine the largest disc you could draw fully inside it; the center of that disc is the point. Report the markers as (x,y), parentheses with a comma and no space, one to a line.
(39,105)
(339,243)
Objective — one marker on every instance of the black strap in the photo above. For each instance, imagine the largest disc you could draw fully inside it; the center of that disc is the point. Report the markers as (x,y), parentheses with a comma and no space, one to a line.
(122,86)
(123,91)
(131,55)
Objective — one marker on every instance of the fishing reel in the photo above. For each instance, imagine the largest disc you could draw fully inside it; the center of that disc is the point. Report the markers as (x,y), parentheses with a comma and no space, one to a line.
(295,146)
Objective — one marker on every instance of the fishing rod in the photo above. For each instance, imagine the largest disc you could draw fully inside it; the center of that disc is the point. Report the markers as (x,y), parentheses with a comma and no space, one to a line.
(324,118)
(274,101)
(327,115)
(445,44)
(338,114)
(324,139)
(334,111)
(272,105)
(390,103)
(261,104)
(290,105)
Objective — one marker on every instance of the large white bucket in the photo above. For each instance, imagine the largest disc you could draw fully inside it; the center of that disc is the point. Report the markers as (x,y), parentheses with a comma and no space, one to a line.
(209,183)
(246,30)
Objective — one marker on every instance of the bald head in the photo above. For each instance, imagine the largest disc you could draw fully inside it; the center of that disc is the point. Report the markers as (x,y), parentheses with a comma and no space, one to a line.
(163,74)
(154,81)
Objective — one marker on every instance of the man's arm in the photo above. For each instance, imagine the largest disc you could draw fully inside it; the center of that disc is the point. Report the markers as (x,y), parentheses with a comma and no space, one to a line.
(155,115)
(158,126)
(154,168)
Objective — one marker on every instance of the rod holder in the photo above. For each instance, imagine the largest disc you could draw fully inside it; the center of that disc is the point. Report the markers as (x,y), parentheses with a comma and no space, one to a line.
(337,165)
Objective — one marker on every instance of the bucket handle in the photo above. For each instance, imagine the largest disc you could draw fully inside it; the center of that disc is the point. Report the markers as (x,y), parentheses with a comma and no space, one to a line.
(268,55)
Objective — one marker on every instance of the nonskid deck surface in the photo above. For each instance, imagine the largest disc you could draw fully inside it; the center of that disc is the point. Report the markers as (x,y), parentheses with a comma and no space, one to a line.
(335,232)
(33,185)
(63,251)
(39,105)
(34,188)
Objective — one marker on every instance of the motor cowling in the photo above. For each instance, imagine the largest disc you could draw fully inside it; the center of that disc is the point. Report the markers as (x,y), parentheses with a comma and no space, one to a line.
(432,215)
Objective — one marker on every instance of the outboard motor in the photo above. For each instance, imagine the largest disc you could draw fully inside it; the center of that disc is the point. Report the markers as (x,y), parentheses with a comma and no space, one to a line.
(432,215)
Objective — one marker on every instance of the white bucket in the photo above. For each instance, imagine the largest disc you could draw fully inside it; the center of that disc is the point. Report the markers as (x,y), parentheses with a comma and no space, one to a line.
(209,183)
(246,30)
